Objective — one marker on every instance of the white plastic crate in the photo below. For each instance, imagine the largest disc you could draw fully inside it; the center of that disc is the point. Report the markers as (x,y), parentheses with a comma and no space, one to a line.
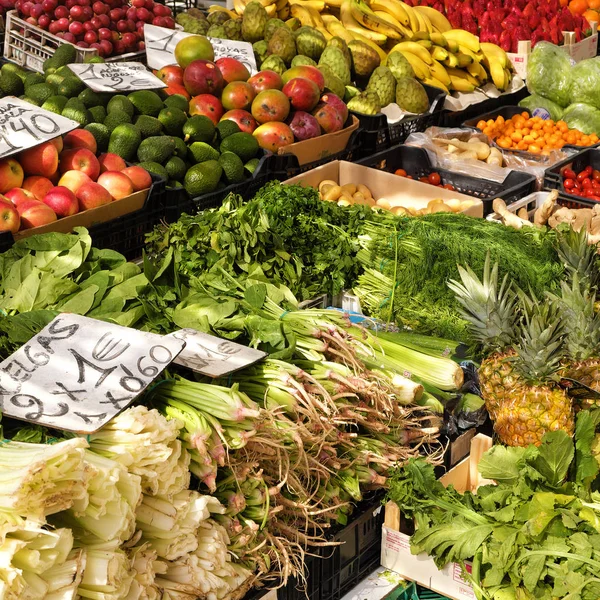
(29,46)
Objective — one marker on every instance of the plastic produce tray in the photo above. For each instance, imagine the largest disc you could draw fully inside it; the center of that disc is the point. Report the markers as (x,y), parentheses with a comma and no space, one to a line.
(553,175)
(376,134)
(489,106)
(415,161)
(29,46)
(337,569)
(125,234)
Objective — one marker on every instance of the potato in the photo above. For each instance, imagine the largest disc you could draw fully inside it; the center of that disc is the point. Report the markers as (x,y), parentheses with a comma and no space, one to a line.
(453,203)
(384,203)
(333,193)
(344,202)
(350,188)
(441,208)
(399,211)
(364,190)
(326,182)
(465,204)
(358,198)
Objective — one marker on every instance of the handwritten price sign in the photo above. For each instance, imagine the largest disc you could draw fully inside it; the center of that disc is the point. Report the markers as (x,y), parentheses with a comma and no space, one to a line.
(24,125)
(213,356)
(161,42)
(78,373)
(117,77)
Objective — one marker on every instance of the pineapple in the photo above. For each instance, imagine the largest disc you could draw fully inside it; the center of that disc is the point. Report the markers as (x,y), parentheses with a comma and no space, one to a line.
(522,342)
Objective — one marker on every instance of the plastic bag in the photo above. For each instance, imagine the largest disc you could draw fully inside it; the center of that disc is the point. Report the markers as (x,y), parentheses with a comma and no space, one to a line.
(585,86)
(542,107)
(549,73)
(584,117)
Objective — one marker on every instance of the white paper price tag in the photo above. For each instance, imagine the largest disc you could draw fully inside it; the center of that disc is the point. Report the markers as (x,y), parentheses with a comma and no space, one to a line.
(78,373)
(161,42)
(24,125)
(213,356)
(117,77)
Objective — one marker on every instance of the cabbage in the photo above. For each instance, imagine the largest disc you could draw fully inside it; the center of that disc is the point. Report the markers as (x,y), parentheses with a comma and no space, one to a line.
(549,73)
(584,117)
(586,82)
(542,107)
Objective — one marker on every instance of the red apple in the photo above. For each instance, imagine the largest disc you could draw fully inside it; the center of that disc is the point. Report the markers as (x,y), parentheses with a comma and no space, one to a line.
(58,144)
(19,195)
(304,126)
(337,103)
(34,213)
(73,180)
(238,94)
(302,93)
(171,74)
(38,186)
(329,118)
(40,160)
(272,136)
(62,201)
(202,77)
(140,178)
(307,72)
(11,174)
(80,138)
(270,105)
(232,69)
(208,105)
(111,162)
(10,220)
(118,184)
(80,159)
(92,195)
(245,121)
(266,80)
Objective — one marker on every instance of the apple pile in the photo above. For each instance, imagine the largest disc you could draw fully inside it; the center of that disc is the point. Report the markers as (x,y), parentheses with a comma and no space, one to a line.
(5,6)
(60,178)
(110,26)
(277,109)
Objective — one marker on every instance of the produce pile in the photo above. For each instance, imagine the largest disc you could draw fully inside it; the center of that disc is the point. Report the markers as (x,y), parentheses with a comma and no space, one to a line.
(110,28)
(377,45)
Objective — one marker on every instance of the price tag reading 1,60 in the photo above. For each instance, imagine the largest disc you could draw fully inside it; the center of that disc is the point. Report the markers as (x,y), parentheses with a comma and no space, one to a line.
(78,373)
(24,125)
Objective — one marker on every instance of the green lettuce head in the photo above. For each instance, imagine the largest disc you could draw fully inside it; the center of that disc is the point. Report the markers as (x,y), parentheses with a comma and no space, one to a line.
(542,107)
(549,73)
(584,117)
(586,82)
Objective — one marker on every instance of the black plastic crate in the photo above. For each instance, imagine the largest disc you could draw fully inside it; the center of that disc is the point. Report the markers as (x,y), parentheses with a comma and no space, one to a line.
(180,202)
(489,106)
(553,176)
(415,161)
(337,569)
(377,135)
(124,234)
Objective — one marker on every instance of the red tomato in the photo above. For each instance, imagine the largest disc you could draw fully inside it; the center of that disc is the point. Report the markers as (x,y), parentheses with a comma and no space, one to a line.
(434,178)
(569,174)
(400,172)
(596,175)
(589,169)
(594,198)
(586,183)
(448,186)
(409,177)
(569,184)
(423,180)
(581,176)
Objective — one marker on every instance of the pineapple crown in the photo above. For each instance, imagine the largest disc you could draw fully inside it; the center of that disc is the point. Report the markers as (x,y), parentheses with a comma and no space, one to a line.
(539,348)
(578,257)
(490,310)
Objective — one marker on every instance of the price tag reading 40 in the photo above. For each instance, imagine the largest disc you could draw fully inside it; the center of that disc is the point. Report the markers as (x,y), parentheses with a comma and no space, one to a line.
(24,125)
(78,373)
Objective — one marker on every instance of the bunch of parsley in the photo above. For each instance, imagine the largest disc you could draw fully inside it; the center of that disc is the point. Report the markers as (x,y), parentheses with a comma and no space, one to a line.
(533,535)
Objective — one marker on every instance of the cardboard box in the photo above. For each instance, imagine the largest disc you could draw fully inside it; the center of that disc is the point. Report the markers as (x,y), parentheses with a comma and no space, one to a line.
(92,216)
(578,51)
(399,191)
(395,545)
(321,147)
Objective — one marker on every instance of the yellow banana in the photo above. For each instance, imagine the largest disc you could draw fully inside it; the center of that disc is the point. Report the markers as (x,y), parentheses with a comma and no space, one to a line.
(438,39)
(325,33)
(284,13)
(438,20)
(302,14)
(334,27)
(213,8)
(420,68)
(439,72)
(414,48)
(496,72)
(491,50)
(239,7)
(433,82)
(355,28)
(364,15)
(452,46)
(438,53)
(507,79)
(412,17)
(464,60)
(271,10)
(387,17)
(266,3)
(424,22)
(318,5)
(427,44)
(420,35)
(373,45)
(451,60)
(392,7)
(459,73)
(316,17)
(334,3)
(476,56)
(280,4)
(460,83)
(477,71)
(464,38)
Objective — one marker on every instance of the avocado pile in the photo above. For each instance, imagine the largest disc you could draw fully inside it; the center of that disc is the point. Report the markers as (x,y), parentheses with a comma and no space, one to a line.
(141,127)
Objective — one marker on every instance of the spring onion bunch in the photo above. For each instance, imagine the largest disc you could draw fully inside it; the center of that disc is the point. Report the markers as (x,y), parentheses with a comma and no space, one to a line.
(147,444)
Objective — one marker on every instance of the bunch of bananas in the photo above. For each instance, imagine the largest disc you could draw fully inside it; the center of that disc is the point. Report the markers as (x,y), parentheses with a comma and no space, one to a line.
(447,58)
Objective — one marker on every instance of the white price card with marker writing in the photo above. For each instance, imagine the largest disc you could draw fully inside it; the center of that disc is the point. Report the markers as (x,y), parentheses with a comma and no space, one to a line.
(117,77)
(24,125)
(161,42)
(78,373)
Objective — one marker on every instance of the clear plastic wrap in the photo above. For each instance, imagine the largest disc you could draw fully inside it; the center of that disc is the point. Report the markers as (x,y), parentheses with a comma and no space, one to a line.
(440,157)
(542,107)
(549,73)
(584,117)
(585,77)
